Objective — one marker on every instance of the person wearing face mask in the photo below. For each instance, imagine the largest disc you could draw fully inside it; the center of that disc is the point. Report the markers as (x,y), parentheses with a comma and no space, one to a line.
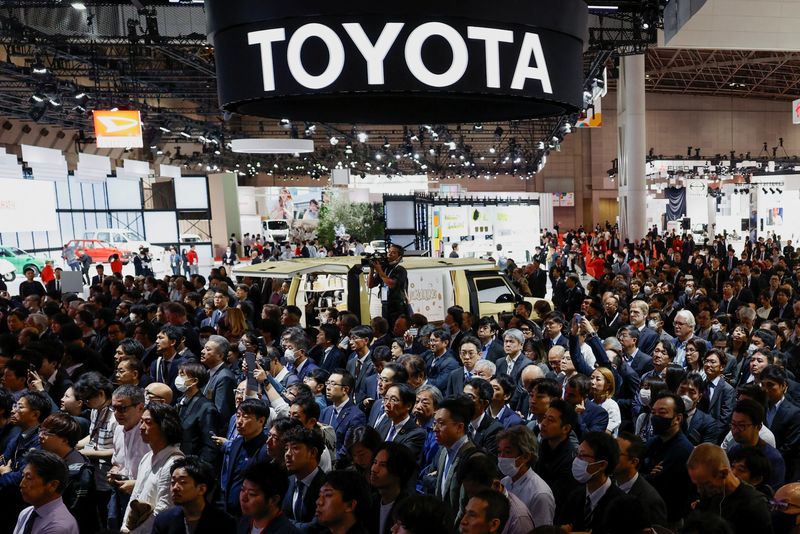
(651,387)
(744,508)
(199,417)
(585,508)
(664,462)
(701,427)
(517,450)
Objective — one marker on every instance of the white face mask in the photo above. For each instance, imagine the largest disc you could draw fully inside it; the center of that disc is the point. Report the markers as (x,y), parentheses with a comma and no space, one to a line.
(652,323)
(715,327)
(648,290)
(688,402)
(242,347)
(751,349)
(289,355)
(644,397)
(579,470)
(180,383)
(507,466)
(132,317)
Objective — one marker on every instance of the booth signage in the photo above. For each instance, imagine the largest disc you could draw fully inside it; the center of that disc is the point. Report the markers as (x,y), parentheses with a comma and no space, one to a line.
(447,62)
(118,129)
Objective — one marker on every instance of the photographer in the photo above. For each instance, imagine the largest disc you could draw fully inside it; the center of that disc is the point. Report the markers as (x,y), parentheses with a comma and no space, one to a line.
(392,278)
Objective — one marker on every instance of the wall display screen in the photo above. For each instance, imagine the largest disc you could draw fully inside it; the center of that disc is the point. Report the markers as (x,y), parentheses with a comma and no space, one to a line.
(21,199)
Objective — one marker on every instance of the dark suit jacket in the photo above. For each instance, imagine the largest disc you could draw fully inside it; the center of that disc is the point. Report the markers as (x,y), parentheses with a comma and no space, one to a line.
(609,325)
(279,525)
(349,417)
(375,412)
(59,387)
(537,281)
(219,390)
(96,279)
(729,307)
(51,289)
(309,506)
(439,369)
(720,406)
(495,351)
(213,521)
(455,382)
(409,435)
(336,359)
(572,511)
(509,418)
(375,513)
(648,339)
(451,496)
(650,500)
(369,390)
(198,418)
(172,373)
(367,369)
(308,366)
(704,429)
(642,362)
(786,427)
(788,312)
(485,436)
(593,419)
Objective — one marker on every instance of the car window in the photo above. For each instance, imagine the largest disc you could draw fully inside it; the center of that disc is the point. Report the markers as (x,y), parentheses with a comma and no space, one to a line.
(103,236)
(130,236)
(5,253)
(493,289)
(119,238)
(17,251)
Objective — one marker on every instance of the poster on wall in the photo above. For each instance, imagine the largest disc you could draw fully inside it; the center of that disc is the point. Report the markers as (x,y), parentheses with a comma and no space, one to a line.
(426,293)
(563,200)
(775,217)
(290,203)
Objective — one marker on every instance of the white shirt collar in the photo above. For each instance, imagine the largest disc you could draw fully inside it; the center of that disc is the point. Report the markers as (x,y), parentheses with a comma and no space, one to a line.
(597,494)
(476,423)
(626,486)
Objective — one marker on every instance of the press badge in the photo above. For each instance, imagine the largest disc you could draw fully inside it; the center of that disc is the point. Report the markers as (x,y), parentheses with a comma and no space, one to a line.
(384,292)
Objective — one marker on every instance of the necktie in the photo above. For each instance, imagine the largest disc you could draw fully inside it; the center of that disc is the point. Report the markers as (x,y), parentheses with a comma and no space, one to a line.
(587,513)
(771,411)
(392,433)
(298,503)
(358,366)
(29,523)
(58,285)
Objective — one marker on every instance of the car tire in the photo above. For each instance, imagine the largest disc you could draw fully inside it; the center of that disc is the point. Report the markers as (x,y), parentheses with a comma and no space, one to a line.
(10,277)
(36,270)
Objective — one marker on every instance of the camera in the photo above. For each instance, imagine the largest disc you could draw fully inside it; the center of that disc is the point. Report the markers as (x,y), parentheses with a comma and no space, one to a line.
(368,259)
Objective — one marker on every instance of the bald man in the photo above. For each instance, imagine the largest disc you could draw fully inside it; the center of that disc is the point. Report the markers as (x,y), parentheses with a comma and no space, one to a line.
(158,392)
(529,374)
(789,495)
(744,508)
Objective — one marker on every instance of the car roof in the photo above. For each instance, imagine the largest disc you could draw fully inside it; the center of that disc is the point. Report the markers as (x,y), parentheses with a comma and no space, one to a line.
(342,264)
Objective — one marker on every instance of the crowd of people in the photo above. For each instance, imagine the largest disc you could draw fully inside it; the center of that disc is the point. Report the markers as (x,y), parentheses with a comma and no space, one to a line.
(661,396)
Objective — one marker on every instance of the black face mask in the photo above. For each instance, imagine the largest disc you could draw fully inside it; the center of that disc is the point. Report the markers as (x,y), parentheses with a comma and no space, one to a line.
(660,424)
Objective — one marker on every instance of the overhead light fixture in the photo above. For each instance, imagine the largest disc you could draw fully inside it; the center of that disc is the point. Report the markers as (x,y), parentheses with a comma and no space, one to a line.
(38,66)
(285,123)
(186,133)
(477,126)
(53,102)
(362,137)
(81,96)
(272,146)
(37,98)
(164,129)
(334,140)
(602,8)
(386,142)
(348,149)
(80,6)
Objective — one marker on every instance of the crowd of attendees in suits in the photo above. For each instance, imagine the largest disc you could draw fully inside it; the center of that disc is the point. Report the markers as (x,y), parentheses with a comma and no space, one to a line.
(660,396)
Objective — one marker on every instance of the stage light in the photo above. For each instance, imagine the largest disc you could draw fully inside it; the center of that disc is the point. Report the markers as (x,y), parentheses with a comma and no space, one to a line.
(348,149)
(478,126)
(386,143)
(764,189)
(334,140)
(284,123)
(362,137)
(492,150)
(164,129)
(80,6)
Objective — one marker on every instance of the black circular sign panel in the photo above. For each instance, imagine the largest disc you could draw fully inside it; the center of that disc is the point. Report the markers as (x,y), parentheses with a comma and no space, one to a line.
(449,62)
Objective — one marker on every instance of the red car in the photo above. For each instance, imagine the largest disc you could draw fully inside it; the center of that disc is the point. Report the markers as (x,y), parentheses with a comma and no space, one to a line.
(99,251)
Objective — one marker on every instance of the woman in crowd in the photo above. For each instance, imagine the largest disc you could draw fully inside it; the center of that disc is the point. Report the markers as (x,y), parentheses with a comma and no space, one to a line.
(603,387)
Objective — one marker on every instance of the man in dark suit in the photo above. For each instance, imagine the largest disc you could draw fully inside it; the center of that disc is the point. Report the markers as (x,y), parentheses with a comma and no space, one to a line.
(629,339)
(439,360)
(491,347)
(192,480)
(296,353)
(392,373)
(99,277)
(783,418)
(553,327)
(451,420)
(389,477)
(728,304)
(483,428)
(165,367)
(359,365)
(783,308)
(611,321)
(303,451)
(399,426)
(470,354)
(332,357)
(199,416)
(626,476)
(222,382)
(381,335)
(537,280)
(264,489)
(701,427)
(342,414)
(248,447)
(53,287)
(719,397)
(515,361)
(585,508)
(591,417)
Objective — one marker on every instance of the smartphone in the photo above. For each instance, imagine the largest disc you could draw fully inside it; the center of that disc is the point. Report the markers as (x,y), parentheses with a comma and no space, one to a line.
(413,331)
(578,318)
(252,383)
(119,477)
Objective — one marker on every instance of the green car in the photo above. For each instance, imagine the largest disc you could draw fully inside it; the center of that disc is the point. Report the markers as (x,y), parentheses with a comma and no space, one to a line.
(21,260)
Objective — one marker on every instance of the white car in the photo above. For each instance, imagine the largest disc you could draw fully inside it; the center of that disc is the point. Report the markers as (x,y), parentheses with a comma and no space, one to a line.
(7,271)
(378,246)
(125,240)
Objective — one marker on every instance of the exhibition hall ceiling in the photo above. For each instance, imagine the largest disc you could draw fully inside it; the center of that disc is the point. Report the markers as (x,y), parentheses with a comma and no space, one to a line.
(153,56)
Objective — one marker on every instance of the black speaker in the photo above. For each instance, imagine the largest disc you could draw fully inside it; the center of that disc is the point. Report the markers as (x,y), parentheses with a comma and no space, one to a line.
(686,223)
(745,225)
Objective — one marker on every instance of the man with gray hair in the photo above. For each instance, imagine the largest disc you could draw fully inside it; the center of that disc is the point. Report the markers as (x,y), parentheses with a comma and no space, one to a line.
(485,369)
(683,326)
(514,362)
(296,346)
(221,382)
(428,399)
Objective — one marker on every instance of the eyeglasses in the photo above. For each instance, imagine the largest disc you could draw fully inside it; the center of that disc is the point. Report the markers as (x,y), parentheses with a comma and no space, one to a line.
(120,409)
(740,426)
(331,383)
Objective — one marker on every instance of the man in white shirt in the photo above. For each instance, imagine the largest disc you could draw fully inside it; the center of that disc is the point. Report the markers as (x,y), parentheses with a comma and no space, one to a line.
(517,450)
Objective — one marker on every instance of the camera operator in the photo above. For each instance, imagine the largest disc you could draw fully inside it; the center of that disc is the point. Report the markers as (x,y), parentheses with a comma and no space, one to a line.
(392,278)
